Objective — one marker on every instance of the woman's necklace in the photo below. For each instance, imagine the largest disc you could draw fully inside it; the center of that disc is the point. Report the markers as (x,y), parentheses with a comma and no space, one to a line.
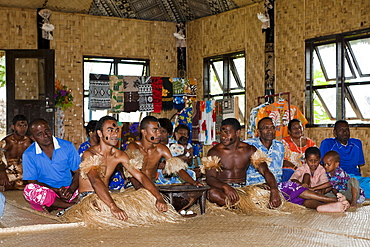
(300,144)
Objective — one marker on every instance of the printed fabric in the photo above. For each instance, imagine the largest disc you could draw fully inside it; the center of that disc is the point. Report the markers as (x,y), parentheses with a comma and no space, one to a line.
(117,93)
(131,93)
(145,94)
(339,181)
(275,152)
(291,192)
(99,92)
(207,122)
(178,92)
(295,154)
(279,113)
(167,94)
(252,126)
(157,94)
(39,196)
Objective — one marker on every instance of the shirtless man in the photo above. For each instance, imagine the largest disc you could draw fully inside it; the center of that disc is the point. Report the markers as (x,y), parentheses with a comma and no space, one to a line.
(235,159)
(107,130)
(149,145)
(15,144)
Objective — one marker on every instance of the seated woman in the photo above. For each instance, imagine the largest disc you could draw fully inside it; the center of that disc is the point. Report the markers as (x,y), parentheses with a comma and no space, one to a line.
(181,149)
(183,130)
(295,146)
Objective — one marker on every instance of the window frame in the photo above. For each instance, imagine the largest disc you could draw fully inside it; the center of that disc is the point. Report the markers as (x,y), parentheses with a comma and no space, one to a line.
(345,53)
(115,61)
(229,69)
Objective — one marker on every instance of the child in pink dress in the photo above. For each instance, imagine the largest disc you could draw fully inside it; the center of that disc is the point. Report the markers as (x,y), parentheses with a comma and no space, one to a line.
(311,174)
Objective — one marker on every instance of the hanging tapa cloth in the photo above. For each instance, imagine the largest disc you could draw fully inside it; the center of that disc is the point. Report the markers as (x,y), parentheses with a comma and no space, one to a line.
(99,92)
(145,94)
(131,95)
(167,94)
(178,93)
(157,94)
(117,93)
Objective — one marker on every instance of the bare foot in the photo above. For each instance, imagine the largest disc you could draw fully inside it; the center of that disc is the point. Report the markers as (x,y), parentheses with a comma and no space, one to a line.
(341,197)
(334,207)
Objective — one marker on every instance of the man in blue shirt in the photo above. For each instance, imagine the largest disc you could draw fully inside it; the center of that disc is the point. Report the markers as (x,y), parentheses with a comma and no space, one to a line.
(349,149)
(50,166)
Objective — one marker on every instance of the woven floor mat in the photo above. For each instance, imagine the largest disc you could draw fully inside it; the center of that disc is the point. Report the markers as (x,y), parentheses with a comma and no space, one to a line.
(18,212)
(206,230)
(222,229)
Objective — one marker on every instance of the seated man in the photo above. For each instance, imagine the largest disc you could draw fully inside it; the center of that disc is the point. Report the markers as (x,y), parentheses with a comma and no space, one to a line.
(350,152)
(15,144)
(150,147)
(48,165)
(99,163)
(349,149)
(235,157)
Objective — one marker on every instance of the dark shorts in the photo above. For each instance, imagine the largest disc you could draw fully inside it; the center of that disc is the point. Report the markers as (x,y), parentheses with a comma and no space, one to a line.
(291,192)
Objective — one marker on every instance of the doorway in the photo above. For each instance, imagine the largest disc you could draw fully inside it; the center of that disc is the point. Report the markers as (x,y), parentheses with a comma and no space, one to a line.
(29,85)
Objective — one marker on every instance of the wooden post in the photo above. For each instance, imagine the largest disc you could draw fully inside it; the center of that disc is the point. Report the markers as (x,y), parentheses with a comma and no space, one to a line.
(269,53)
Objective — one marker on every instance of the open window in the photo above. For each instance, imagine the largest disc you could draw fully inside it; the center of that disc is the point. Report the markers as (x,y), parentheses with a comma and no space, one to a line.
(338,78)
(224,77)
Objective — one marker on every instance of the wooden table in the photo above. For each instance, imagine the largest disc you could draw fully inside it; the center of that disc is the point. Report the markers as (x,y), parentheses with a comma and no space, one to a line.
(190,192)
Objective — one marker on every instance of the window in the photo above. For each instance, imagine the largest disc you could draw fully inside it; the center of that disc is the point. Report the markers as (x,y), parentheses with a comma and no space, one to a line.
(338,78)
(111,66)
(224,77)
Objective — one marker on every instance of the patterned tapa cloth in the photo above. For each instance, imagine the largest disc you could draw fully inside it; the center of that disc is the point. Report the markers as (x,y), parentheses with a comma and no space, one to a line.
(157,94)
(99,97)
(117,93)
(145,94)
(131,93)
(178,93)
(167,94)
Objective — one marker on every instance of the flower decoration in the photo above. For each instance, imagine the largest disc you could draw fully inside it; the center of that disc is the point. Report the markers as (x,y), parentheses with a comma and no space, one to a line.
(63,96)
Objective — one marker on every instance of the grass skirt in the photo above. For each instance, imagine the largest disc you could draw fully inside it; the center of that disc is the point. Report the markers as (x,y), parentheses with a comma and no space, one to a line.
(254,200)
(139,206)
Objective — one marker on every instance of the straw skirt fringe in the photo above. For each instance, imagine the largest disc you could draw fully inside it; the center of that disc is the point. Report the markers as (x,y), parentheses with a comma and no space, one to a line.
(139,205)
(254,200)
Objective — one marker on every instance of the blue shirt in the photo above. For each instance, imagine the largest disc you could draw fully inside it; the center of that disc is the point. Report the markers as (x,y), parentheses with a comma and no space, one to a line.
(55,172)
(351,155)
(276,152)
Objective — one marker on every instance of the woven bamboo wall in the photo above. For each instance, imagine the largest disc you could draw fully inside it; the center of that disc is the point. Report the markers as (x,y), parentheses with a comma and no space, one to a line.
(232,31)
(80,35)
(76,35)
(296,22)
(18,28)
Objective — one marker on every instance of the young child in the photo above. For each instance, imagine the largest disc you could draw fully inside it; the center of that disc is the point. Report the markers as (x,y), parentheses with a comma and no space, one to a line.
(180,148)
(177,149)
(340,181)
(311,174)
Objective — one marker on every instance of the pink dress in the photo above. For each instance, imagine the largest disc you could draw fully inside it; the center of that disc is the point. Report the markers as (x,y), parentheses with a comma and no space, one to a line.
(317,178)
